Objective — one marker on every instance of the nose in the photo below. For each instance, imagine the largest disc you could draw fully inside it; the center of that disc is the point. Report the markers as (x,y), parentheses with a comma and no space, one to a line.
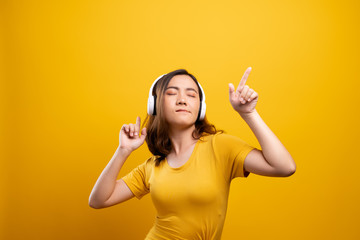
(181,100)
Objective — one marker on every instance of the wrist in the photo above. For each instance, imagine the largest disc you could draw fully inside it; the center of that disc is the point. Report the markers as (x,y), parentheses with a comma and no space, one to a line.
(123,151)
(249,115)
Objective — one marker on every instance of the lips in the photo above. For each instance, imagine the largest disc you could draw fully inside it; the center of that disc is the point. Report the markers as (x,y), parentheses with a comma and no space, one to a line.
(182,110)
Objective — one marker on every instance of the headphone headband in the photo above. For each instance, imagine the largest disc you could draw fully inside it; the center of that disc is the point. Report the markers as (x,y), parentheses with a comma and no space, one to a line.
(152,86)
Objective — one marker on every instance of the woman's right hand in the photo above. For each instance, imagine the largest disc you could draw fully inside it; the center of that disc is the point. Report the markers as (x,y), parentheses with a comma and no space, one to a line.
(129,138)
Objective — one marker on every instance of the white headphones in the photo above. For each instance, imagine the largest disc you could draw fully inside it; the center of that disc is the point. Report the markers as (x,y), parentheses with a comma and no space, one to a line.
(151,108)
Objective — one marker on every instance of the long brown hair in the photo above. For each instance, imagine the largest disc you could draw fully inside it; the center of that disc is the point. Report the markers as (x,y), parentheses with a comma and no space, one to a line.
(157,137)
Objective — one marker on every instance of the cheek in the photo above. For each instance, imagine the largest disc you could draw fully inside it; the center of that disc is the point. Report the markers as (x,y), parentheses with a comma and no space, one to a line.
(168,103)
(195,104)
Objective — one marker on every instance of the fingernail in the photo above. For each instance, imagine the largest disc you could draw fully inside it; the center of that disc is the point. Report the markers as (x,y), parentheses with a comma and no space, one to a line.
(135,133)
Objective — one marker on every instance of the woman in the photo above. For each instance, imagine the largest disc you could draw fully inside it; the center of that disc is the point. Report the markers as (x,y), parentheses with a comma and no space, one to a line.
(192,166)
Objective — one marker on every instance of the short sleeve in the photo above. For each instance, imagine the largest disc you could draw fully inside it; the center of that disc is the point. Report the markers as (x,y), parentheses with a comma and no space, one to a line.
(138,179)
(232,152)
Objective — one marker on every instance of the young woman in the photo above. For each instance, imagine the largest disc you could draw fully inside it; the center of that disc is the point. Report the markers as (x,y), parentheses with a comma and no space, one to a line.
(192,166)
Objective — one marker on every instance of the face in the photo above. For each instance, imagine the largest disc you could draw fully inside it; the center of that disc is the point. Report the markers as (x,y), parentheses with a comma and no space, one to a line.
(181,101)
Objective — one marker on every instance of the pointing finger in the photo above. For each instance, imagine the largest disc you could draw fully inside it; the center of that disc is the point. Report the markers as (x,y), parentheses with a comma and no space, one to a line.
(137,125)
(231,88)
(243,80)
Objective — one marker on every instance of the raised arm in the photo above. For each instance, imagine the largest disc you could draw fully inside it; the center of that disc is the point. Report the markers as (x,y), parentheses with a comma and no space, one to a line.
(107,190)
(274,160)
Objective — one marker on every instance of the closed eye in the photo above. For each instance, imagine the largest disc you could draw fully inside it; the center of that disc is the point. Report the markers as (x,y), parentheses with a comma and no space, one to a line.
(175,94)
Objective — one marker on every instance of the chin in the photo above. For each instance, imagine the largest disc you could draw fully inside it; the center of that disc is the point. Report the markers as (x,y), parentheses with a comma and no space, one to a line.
(182,124)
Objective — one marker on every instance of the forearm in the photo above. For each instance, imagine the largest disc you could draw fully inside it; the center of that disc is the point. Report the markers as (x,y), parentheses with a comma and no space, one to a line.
(273,150)
(105,184)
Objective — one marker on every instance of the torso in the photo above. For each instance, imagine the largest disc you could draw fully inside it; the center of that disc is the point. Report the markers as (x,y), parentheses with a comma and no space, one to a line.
(190,194)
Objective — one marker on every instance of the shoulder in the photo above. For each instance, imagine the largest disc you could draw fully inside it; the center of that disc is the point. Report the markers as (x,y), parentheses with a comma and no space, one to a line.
(150,161)
(206,137)
(147,164)
(224,140)
(216,137)
(221,136)
(219,140)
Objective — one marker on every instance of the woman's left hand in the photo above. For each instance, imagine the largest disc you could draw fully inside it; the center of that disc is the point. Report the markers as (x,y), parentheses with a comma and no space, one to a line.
(244,99)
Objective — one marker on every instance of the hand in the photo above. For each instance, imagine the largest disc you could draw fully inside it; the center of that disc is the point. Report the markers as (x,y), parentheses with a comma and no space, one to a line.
(129,136)
(244,99)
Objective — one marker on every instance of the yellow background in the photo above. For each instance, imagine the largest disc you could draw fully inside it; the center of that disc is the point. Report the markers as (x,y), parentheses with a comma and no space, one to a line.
(73,72)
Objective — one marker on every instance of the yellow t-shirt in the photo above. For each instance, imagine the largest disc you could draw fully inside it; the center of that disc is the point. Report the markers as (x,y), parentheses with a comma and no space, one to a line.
(191,200)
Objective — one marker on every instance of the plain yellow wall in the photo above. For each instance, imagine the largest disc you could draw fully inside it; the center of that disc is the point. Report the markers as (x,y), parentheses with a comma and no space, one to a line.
(73,72)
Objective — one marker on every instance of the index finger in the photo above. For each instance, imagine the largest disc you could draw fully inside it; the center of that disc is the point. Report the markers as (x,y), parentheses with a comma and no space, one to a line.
(138,122)
(243,79)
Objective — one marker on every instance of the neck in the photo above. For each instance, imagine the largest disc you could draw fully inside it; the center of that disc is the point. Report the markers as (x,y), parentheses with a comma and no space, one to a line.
(181,140)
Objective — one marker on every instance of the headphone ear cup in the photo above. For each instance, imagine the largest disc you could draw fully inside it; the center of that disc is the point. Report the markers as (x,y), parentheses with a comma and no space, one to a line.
(203,110)
(150,106)
(154,105)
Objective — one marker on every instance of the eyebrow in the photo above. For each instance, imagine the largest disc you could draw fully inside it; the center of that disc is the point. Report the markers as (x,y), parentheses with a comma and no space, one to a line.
(187,89)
